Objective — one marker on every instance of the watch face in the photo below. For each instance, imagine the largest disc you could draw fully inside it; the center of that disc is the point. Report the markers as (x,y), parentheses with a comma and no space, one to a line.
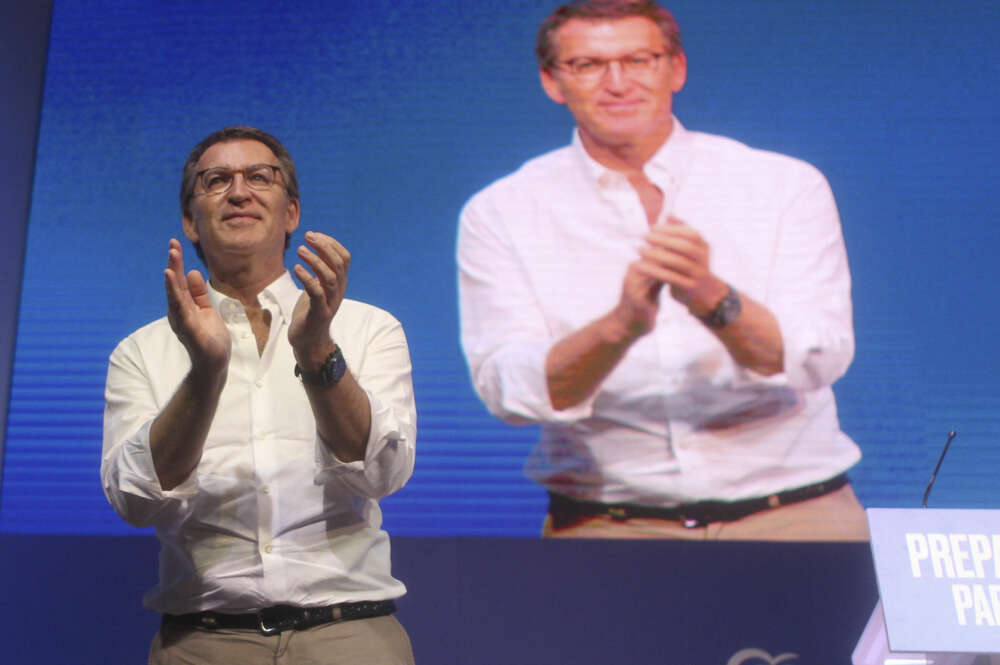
(727,311)
(730,307)
(329,374)
(335,367)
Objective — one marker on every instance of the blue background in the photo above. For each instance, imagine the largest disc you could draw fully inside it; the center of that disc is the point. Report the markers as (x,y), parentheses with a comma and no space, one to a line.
(396,113)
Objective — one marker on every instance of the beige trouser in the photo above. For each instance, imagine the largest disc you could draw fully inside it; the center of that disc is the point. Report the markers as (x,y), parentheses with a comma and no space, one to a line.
(837,516)
(377,641)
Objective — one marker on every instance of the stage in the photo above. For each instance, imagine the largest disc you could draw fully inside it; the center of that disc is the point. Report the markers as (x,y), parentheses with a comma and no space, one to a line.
(77,600)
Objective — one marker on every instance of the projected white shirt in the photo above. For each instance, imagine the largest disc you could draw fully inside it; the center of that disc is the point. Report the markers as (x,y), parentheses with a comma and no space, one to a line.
(543,251)
(270,516)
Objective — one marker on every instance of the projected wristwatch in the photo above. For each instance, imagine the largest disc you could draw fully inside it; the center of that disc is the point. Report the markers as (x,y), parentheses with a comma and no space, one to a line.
(329,373)
(727,311)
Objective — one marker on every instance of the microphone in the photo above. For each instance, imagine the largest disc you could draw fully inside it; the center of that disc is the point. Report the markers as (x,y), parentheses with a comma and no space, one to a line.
(930,483)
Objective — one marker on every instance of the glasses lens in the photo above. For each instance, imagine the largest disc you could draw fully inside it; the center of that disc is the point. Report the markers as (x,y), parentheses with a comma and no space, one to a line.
(216,181)
(587,66)
(260,176)
(642,61)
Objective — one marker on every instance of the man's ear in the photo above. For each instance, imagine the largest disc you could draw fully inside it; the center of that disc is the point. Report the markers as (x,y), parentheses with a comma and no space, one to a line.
(551,86)
(678,71)
(190,228)
(294,212)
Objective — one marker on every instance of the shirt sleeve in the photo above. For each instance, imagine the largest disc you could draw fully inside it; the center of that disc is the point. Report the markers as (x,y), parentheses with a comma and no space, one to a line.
(381,365)
(127,473)
(811,288)
(505,337)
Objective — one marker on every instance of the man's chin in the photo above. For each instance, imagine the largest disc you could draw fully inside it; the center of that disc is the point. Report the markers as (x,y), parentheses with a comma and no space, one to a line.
(237,223)
(618,137)
(624,132)
(238,247)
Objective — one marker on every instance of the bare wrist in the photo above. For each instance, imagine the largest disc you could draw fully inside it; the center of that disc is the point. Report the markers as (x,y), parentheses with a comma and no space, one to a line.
(311,356)
(208,377)
(705,303)
(619,330)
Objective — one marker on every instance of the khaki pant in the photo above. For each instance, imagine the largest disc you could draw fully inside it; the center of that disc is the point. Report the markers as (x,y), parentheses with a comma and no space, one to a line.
(377,641)
(837,516)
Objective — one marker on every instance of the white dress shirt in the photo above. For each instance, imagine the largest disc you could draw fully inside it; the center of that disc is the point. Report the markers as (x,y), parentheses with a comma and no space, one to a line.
(270,516)
(543,252)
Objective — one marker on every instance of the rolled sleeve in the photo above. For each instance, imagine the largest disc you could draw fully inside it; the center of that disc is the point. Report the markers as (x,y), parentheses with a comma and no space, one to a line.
(812,288)
(127,473)
(505,336)
(381,365)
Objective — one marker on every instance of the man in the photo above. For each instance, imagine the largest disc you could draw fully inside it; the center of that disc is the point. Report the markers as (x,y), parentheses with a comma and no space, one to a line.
(256,426)
(671,306)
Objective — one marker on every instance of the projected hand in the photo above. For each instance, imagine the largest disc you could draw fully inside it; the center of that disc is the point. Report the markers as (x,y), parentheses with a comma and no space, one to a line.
(639,300)
(677,255)
(193,319)
(324,287)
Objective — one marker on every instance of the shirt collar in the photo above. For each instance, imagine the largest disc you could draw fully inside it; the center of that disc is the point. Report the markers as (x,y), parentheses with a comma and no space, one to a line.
(282,294)
(666,167)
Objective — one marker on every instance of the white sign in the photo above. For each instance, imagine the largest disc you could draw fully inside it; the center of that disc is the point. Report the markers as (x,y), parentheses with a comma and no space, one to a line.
(939,578)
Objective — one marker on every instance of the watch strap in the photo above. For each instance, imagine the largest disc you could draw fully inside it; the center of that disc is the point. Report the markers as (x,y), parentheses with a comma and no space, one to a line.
(330,372)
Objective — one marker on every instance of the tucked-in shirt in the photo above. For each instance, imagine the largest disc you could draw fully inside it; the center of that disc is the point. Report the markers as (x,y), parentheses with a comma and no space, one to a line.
(269,516)
(543,252)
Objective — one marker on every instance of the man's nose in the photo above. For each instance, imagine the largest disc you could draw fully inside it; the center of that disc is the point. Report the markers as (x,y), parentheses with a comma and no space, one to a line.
(239,190)
(615,77)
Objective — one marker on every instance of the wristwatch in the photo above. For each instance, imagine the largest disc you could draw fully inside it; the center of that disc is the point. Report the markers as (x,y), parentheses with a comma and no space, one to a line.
(727,311)
(329,373)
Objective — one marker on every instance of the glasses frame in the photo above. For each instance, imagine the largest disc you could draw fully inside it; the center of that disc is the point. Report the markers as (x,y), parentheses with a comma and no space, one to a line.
(604,65)
(198,178)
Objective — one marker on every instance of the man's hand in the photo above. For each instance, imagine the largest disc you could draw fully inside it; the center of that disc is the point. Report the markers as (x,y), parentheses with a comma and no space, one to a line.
(342,412)
(177,435)
(309,332)
(193,319)
(635,313)
(674,254)
(677,255)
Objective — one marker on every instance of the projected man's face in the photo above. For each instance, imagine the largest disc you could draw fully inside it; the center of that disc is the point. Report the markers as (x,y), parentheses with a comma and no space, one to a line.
(628,102)
(251,217)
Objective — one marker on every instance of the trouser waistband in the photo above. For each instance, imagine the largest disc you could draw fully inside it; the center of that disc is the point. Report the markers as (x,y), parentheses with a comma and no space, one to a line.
(565,510)
(273,620)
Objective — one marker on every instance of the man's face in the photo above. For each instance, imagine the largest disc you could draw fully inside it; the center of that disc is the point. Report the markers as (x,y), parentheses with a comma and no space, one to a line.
(621,107)
(243,221)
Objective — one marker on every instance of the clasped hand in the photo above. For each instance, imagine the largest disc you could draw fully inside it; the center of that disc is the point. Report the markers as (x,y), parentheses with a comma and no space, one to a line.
(673,254)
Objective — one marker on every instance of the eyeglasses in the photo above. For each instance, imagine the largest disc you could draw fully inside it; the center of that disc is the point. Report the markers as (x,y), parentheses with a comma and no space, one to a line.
(591,70)
(219,180)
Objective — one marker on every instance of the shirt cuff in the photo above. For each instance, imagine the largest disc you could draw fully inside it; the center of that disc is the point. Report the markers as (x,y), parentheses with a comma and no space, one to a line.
(384,428)
(514,387)
(137,473)
(815,358)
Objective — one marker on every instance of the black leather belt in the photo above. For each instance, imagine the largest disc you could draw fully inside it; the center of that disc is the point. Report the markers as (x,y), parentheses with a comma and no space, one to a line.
(273,620)
(565,511)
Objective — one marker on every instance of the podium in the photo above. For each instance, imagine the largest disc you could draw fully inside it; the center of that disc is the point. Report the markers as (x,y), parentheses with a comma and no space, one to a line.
(938,575)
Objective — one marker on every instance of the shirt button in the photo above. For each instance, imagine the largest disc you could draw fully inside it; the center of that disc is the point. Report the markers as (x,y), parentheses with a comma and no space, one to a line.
(244,335)
(265,489)
(268,548)
(259,384)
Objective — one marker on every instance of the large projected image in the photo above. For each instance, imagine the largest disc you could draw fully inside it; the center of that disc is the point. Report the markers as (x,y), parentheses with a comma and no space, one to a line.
(397,113)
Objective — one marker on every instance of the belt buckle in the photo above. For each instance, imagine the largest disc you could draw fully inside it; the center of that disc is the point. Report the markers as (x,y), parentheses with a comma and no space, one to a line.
(692,522)
(618,513)
(273,620)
